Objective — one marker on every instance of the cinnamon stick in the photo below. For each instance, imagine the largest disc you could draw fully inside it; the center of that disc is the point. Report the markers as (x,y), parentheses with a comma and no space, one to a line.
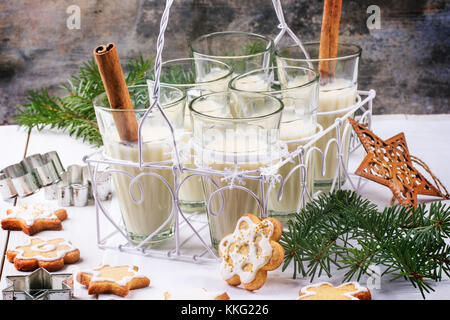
(108,62)
(329,37)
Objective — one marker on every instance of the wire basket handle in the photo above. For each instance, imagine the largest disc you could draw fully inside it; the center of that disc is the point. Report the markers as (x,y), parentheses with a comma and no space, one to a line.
(158,61)
(285,29)
(156,87)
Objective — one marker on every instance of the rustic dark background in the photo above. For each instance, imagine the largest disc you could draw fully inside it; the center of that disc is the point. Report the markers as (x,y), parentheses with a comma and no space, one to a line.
(406,61)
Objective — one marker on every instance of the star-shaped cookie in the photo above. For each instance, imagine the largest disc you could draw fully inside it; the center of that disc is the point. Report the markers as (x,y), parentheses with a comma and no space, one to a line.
(33,218)
(326,291)
(389,163)
(250,251)
(48,254)
(118,280)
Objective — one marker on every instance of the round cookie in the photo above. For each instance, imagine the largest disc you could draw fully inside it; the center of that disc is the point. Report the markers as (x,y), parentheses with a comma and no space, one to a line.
(51,255)
(250,251)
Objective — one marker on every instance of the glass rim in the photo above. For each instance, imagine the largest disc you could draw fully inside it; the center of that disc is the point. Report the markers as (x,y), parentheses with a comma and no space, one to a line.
(187,85)
(307,84)
(164,106)
(203,115)
(265,38)
(357,52)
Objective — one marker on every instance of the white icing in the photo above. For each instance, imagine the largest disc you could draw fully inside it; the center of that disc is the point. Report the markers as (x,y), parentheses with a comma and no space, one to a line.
(194,294)
(31,213)
(45,247)
(349,295)
(241,237)
(122,282)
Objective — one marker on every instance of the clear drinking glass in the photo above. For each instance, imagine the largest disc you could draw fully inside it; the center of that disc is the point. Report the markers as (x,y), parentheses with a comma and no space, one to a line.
(234,133)
(155,204)
(196,77)
(298,88)
(337,95)
(242,51)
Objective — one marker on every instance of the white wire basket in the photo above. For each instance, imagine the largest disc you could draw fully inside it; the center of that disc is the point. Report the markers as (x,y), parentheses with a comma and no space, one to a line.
(191,240)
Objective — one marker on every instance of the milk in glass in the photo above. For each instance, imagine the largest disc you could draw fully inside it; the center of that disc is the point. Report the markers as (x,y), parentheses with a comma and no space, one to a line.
(237,152)
(191,192)
(339,95)
(142,219)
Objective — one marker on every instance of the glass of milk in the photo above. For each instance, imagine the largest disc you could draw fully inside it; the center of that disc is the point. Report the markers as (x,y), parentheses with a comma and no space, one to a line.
(195,76)
(337,95)
(147,206)
(242,51)
(298,88)
(234,133)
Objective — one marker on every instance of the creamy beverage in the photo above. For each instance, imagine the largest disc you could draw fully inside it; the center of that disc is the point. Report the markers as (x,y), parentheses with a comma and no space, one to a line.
(142,219)
(298,123)
(335,96)
(238,152)
(191,192)
(290,132)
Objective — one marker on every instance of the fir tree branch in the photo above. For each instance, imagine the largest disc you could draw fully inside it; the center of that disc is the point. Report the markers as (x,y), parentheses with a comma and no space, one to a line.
(74,112)
(347,231)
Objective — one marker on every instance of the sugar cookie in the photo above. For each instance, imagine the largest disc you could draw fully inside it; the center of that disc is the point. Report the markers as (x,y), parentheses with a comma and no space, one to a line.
(326,291)
(34,218)
(118,280)
(251,251)
(48,254)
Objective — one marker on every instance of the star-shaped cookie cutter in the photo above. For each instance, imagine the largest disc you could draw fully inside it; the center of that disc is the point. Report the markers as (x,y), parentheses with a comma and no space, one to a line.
(39,285)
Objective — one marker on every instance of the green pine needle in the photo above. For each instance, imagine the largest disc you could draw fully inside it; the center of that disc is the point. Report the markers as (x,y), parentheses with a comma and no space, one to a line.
(74,112)
(347,231)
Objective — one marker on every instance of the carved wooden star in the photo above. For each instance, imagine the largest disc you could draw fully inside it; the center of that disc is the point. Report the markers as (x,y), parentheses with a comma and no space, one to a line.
(389,163)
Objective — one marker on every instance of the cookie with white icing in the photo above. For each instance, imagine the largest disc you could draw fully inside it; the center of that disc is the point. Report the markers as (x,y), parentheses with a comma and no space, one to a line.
(326,291)
(250,251)
(196,294)
(51,255)
(33,218)
(118,280)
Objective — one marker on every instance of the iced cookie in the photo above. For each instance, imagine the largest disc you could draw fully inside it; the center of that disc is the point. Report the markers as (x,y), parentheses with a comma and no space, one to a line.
(33,218)
(196,294)
(118,280)
(48,254)
(251,251)
(326,291)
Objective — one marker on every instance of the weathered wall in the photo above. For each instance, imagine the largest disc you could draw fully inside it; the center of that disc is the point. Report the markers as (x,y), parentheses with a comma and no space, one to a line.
(406,61)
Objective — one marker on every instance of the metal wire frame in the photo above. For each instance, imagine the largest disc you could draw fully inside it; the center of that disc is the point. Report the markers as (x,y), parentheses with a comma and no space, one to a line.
(263,175)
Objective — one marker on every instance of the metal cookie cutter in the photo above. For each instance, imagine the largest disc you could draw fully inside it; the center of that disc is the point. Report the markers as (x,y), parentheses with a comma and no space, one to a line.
(75,187)
(7,190)
(32,173)
(24,183)
(39,285)
(43,170)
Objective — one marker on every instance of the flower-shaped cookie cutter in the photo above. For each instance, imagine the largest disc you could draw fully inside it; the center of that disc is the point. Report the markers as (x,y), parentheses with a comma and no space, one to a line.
(32,173)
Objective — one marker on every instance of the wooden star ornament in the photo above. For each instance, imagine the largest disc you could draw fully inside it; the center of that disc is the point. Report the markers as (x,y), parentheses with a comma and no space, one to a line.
(389,163)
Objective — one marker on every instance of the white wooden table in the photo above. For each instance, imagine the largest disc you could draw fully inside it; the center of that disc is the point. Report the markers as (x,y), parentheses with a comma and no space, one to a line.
(427,138)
